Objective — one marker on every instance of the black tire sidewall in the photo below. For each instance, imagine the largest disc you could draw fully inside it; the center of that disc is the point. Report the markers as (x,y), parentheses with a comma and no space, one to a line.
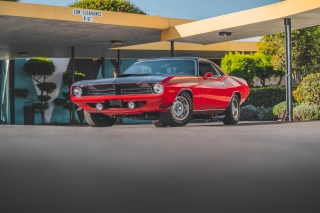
(229,119)
(93,121)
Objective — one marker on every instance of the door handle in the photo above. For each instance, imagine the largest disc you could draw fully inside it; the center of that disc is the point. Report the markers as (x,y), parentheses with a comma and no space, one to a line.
(222,83)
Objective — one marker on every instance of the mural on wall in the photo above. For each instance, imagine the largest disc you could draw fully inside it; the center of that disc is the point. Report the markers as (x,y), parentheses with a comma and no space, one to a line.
(91,68)
(61,65)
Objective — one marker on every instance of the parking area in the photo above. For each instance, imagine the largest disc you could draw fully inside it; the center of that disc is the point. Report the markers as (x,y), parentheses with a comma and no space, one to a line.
(251,167)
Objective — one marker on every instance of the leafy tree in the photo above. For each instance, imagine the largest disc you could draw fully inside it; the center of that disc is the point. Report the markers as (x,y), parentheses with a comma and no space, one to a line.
(39,69)
(264,69)
(109,5)
(305,50)
(240,65)
(65,102)
(248,66)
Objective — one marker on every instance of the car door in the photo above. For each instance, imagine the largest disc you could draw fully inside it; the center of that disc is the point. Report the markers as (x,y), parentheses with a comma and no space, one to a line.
(213,90)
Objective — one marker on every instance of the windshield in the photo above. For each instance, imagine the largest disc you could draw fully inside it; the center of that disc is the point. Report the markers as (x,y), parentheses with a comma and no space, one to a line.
(167,67)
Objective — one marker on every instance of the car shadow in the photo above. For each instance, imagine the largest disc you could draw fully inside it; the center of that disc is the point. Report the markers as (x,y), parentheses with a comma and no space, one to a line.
(242,123)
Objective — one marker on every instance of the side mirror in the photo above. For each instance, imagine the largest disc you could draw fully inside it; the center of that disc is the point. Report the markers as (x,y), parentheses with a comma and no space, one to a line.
(208,75)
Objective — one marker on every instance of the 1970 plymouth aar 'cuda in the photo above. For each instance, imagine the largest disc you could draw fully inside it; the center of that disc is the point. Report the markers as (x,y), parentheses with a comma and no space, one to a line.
(168,91)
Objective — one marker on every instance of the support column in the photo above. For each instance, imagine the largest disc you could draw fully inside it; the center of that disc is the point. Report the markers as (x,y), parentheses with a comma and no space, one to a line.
(288,38)
(120,120)
(72,62)
(172,48)
(11,86)
(119,61)
(103,68)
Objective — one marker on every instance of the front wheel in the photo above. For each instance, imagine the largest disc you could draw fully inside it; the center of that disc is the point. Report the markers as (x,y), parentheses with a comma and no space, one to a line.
(159,123)
(99,120)
(180,112)
(232,112)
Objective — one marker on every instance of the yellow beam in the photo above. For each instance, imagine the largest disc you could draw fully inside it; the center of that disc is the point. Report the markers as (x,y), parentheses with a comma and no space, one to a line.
(27,10)
(224,46)
(257,15)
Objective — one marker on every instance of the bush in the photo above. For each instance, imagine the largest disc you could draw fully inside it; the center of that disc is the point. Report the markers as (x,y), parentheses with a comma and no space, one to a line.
(308,91)
(266,96)
(252,113)
(265,114)
(279,111)
(248,113)
(306,112)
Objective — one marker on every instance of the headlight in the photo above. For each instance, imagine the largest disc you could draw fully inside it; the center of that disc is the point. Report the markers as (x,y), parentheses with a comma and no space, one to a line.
(158,88)
(77,91)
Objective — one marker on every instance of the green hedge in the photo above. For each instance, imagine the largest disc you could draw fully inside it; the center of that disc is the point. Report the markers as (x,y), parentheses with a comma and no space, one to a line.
(266,96)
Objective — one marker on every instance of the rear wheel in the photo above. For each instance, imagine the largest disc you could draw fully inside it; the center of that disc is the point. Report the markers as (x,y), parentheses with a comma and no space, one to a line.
(180,112)
(232,112)
(99,120)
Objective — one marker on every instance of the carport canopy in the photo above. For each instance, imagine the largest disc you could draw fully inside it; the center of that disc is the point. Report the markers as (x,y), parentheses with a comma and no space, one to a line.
(51,31)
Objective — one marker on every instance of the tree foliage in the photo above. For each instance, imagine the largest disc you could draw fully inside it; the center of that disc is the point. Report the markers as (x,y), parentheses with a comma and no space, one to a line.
(67,77)
(240,65)
(263,68)
(65,102)
(248,66)
(39,68)
(305,50)
(108,5)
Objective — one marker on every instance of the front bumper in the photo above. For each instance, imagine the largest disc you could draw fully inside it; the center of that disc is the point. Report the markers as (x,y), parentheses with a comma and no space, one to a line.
(151,103)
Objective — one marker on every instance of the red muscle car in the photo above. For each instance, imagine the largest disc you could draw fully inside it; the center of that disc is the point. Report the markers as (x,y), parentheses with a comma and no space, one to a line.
(168,91)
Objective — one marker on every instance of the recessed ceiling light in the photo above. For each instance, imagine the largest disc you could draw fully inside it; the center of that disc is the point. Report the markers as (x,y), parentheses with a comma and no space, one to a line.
(22,54)
(116,42)
(225,33)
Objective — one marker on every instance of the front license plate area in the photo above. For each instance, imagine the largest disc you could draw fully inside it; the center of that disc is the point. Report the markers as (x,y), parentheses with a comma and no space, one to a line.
(115,104)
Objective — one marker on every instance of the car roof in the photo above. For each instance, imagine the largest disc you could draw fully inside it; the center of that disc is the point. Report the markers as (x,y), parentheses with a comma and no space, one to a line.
(175,58)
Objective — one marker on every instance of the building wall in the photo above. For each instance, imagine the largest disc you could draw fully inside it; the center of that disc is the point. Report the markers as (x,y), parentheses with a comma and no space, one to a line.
(92,69)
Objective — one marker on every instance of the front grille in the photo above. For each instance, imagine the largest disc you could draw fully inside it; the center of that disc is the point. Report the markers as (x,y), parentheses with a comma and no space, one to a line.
(116,89)
(96,90)
(101,92)
(133,89)
(136,91)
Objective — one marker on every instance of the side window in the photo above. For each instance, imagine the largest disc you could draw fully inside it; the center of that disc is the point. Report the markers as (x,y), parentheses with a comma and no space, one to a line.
(205,67)
(218,69)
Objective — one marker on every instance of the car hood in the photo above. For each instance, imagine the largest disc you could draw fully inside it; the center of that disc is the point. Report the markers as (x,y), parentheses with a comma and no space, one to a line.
(123,80)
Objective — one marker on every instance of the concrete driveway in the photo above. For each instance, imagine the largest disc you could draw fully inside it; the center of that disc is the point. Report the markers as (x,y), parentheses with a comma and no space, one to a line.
(251,167)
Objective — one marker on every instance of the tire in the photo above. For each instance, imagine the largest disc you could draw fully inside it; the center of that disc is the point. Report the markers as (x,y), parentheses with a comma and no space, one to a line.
(159,123)
(99,120)
(232,112)
(180,113)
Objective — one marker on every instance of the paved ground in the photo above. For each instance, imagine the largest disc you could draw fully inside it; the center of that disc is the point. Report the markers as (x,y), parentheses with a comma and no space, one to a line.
(251,167)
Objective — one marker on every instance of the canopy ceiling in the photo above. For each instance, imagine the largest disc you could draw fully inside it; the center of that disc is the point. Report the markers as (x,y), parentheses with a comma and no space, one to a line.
(51,31)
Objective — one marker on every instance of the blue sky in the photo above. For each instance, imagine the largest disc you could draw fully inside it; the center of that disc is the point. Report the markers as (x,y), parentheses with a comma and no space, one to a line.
(187,9)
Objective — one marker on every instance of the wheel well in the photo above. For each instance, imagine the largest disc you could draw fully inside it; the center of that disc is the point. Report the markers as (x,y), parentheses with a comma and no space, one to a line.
(189,92)
(238,94)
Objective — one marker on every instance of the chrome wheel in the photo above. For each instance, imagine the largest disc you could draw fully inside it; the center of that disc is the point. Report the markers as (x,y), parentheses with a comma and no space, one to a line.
(232,113)
(179,114)
(180,109)
(235,109)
